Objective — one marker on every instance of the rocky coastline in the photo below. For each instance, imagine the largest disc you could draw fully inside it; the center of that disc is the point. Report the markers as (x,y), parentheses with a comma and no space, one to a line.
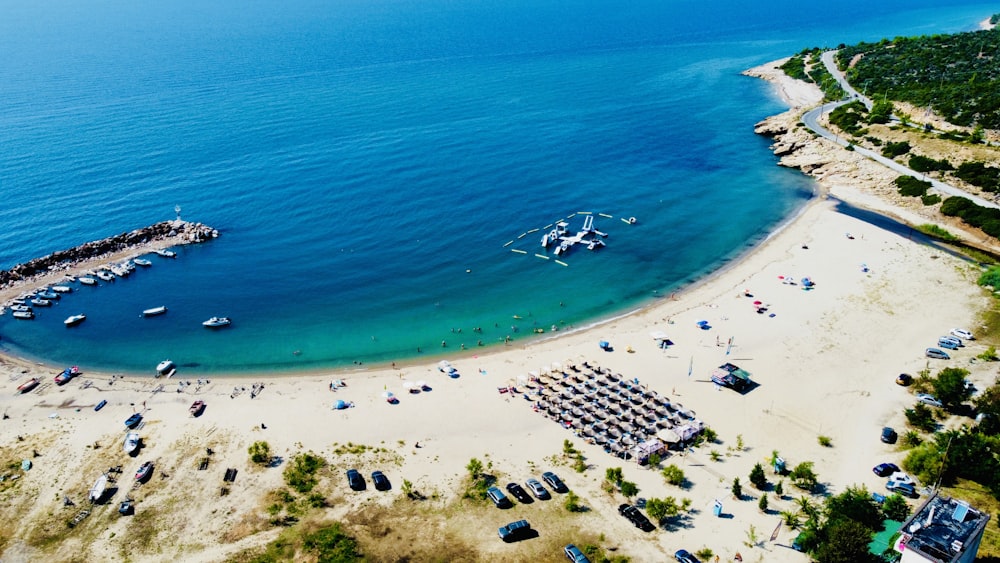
(118,247)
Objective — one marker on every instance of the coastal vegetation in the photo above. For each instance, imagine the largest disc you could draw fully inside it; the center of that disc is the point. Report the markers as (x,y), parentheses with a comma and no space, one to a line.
(807,66)
(956,75)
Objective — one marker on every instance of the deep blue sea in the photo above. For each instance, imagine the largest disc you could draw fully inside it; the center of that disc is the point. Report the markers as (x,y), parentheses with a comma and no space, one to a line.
(367,161)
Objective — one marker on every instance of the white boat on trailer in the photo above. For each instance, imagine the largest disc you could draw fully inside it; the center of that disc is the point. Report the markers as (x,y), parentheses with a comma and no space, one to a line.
(154,311)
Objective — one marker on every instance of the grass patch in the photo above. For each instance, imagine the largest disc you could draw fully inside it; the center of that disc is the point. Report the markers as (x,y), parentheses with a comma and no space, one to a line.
(937,232)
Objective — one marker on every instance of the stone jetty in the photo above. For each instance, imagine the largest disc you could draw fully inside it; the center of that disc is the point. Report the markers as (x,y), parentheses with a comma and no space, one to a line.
(117,247)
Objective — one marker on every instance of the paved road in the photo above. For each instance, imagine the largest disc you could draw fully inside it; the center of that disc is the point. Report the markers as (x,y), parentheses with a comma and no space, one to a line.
(811,120)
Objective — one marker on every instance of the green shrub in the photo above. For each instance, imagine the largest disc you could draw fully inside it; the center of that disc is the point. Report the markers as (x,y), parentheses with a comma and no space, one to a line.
(301,472)
(757,477)
(825,441)
(909,186)
(260,452)
(937,232)
(673,475)
(892,150)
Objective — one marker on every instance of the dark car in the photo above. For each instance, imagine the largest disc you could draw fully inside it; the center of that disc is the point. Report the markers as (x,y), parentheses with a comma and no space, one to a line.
(889,435)
(537,489)
(574,554)
(885,469)
(901,487)
(381,481)
(684,556)
(514,531)
(355,480)
(498,497)
(518,492)
(554,481)
(636,517)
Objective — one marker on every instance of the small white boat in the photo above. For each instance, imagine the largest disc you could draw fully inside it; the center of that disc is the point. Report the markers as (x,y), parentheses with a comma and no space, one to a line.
(154,311)
(97,491)
(166,253)
(142,262)
(88,281)
(38,302)
(105,275)
(74,319)
(61,288)
(216,322)
(131,442)
(20,308)
(27,315)
(165,368)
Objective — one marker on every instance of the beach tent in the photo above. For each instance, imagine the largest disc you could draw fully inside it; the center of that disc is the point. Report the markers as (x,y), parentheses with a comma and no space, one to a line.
(604,344)
(340,405)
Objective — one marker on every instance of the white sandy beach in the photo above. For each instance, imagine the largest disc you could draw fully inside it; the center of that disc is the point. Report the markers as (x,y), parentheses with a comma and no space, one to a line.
(825,363)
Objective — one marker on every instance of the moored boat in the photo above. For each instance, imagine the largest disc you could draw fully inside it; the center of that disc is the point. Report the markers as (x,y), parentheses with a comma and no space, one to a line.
(46,294)
(166,253)
(66,375)
(62,288)
(20,307)
(166,367)
(87,280)
(131,442)
(37,302)
(28,385)
(196,408)
(134,420)
(97,491)
(216,322)
(26,315)
(154,311)
(105,275)
(145,470)
(74,319)
(142,262)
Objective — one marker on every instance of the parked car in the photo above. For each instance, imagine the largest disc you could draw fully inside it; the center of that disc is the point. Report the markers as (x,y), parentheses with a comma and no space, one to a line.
(518,492)
(901,478)
(684,556)
(948,343)
(381,481)
(554,481)
(514,531)
(498,497)
(537,489)
(885,469)
(929,400)
(904,379)
(962,333)
(937,354)
(355,480)
(636,517)
(574,554)
(905,489)
(953,339)
(889,435)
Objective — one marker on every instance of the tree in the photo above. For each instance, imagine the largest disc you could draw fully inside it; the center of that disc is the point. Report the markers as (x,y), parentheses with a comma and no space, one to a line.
(572,503)
(895,508)
(757,477)
(854,504)
(762,503)
(950,388)
(779,489)
(673,475)
(629,489)
(803,476)
(654,460)
(846,542)
(475,468)
(737,489)
(988,405)
(661,509)
(260,452)
(614,475)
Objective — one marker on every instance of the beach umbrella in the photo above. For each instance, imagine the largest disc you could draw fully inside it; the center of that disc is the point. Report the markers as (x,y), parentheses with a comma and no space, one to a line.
(567,415)
(408,385)
(589,417)
(664,423)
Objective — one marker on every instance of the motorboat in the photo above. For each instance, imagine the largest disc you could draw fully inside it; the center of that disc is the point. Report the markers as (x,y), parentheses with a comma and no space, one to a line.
(105,275)
(46,294)
(62,288)
(216,322)
(166,253)
(145,470)
(131,442)
(26,315)
(154,311)
(20,308)
(142,262)
(74,319)
(97,491)
(196,408)
(87,280)
(38,302)
(166,367)
(28,385)
(134,420)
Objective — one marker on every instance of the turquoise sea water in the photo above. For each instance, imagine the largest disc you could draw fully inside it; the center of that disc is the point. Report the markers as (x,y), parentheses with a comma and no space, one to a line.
(366,162)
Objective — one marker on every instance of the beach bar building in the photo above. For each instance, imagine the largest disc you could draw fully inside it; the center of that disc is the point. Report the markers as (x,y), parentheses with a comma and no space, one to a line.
(942,530)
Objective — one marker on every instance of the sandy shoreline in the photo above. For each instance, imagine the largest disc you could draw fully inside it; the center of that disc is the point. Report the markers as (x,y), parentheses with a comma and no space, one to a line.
(825,360)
